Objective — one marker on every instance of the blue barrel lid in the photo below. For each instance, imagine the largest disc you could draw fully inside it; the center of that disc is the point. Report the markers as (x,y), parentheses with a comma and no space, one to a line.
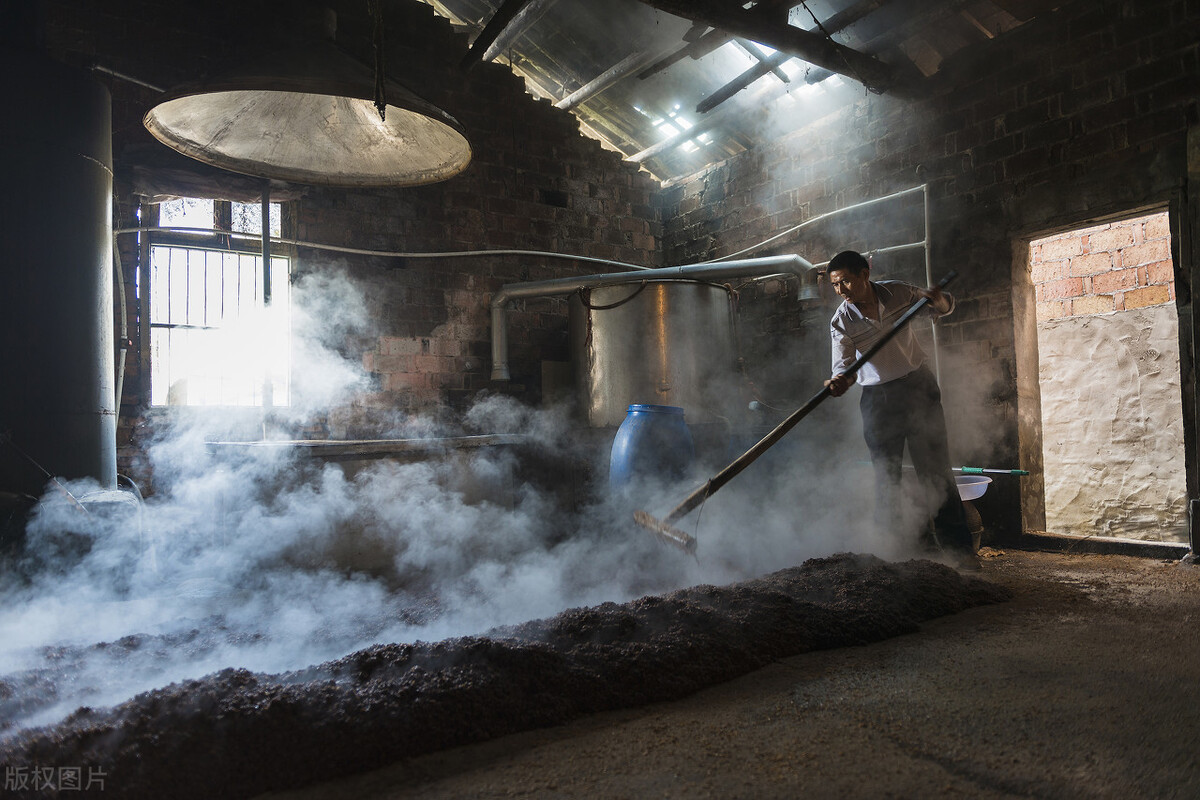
(660,409)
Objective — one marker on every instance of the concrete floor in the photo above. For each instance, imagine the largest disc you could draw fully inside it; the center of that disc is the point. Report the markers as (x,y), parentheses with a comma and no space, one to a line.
(1084,685)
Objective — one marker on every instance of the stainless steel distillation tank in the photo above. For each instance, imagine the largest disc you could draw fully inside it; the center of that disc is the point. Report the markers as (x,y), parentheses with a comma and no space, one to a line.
(661,338)
(660,342)
(658,336)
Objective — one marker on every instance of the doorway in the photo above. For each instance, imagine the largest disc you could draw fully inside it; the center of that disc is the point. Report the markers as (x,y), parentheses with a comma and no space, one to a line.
(1112,440)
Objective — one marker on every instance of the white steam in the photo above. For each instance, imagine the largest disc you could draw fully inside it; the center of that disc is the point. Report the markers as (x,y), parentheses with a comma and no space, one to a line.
(272,561)
(327,310)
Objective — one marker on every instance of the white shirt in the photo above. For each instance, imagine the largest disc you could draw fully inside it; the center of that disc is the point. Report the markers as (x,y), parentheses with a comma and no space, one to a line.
(853,333)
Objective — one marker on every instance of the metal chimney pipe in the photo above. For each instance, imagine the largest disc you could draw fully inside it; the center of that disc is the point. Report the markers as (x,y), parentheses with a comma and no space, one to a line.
(56,309)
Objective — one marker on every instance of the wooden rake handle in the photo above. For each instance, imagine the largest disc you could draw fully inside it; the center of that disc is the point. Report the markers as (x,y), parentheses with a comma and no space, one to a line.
(741,462)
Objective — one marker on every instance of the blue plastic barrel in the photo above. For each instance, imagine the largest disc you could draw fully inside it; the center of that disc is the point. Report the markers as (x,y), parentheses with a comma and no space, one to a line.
(652,442)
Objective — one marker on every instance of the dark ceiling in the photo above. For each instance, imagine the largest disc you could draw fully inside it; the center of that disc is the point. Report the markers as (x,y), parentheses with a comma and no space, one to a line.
(678,85)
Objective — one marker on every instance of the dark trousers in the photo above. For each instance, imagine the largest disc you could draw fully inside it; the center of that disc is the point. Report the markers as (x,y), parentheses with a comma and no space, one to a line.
(909,410)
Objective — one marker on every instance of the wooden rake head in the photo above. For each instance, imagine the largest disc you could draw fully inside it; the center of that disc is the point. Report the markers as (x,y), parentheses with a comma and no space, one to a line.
(665,532)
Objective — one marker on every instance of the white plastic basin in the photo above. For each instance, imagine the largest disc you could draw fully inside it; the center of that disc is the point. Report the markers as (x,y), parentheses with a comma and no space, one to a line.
(971,487)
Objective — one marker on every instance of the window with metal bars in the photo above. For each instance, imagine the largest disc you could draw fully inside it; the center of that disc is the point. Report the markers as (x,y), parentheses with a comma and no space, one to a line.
(219,322)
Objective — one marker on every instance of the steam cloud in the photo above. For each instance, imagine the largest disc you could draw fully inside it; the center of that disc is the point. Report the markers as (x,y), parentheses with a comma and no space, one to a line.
(272,562)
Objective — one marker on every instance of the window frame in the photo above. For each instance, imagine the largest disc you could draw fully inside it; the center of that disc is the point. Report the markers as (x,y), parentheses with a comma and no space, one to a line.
(220,239)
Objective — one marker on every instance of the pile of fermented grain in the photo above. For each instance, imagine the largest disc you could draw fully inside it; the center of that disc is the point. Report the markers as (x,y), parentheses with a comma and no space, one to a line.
(238,734)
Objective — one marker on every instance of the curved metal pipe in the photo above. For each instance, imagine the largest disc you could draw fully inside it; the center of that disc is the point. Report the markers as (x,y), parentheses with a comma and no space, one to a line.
(559,286)
(363,251)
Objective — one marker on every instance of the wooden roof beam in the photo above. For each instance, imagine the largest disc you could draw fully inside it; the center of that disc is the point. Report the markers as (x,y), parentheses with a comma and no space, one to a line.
(764,28)
(622,69)
(742,81)
(696,49)
(511,19)
(756,53)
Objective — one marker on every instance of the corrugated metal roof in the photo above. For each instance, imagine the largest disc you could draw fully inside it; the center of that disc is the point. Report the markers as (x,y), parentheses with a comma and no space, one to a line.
(679,85)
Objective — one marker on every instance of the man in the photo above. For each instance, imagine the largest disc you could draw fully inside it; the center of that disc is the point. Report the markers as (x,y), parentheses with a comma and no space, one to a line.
(901,402)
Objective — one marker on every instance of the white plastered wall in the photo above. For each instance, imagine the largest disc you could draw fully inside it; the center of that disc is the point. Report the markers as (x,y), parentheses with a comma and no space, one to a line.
(1112,425)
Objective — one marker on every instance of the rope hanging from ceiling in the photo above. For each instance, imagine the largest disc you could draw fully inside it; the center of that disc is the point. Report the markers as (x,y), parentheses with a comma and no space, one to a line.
(375,7)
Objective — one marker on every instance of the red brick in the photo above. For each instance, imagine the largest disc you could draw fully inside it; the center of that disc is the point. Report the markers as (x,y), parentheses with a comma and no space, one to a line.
(1114,281)
(451,380)
(1160,272)
(444,346)
(405,381)
(1149,296)
(1055,249)
(388,364)
(1091,264)
(1051,310)
(400,346)
(1092,304)
(1157,250)
(1060,289)
(1157,226)
(1084,233)
(1113,239)
(643,241)
(1050,270)
(433,364)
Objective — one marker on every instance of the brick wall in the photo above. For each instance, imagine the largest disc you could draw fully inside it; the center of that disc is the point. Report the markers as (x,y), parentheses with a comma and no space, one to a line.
(1109,381)
(1113,267)
(1077,116)
(534,183)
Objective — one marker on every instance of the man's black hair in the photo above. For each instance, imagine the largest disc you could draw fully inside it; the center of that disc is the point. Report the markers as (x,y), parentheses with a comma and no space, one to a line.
(850,261)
